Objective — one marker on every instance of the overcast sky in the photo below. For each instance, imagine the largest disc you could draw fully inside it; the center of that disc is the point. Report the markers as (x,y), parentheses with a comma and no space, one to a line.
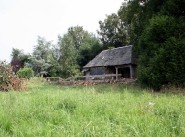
(21,21)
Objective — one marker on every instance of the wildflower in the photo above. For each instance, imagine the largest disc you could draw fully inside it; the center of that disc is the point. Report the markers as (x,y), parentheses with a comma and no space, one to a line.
(151,104)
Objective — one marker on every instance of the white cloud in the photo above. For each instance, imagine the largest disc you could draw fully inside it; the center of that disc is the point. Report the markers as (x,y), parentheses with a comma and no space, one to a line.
(23,20)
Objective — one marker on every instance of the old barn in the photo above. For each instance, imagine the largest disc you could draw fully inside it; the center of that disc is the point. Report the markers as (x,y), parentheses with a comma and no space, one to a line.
(117,61)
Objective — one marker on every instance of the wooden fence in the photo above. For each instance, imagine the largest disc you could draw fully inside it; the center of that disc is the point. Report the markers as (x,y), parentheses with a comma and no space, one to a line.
(90,77)
(84,79)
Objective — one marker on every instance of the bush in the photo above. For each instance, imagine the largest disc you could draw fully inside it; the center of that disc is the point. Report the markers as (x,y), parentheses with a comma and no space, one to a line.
(161,53)
(25,73)
(8,80)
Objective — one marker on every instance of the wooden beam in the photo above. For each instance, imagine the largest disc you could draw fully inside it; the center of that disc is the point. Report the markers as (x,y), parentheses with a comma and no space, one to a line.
(104,74)
(116,73)
(131,71)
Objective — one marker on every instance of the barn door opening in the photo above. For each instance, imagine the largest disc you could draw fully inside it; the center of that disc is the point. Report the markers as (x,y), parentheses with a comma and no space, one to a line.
(125,72)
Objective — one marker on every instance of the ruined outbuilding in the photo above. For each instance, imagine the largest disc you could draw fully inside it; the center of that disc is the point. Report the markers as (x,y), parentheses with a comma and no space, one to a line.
(117,61)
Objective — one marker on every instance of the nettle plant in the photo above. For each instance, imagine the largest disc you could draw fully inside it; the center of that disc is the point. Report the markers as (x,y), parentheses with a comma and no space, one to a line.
(8,81)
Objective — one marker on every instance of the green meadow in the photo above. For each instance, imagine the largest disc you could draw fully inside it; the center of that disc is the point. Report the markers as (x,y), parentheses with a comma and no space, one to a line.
(46,110)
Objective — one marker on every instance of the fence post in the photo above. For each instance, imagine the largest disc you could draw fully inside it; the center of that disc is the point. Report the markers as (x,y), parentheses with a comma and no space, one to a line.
(116,73)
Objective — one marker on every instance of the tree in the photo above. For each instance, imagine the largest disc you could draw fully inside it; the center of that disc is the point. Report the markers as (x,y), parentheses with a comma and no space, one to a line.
(156,29)
(88,50)
(68,55)
(161,44)
(78,35)
(75,49)
(19,58)
(40,59)
(113,31)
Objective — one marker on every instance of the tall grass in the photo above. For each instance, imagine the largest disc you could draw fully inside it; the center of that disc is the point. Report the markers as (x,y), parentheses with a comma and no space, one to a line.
(90,111)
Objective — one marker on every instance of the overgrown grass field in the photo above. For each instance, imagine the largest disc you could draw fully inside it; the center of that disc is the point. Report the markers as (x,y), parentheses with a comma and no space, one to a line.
(90,111)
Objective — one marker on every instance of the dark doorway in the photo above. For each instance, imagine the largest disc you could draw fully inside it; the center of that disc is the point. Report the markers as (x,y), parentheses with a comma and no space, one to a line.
(125,72)
(111,70)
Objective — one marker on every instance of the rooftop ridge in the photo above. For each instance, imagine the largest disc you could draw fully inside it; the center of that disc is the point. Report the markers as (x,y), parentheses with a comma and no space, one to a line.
(119,47)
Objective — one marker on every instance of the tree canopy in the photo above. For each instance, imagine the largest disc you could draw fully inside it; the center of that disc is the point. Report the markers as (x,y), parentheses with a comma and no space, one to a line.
(76,48)
(156,29)
(19,58)
(65,59)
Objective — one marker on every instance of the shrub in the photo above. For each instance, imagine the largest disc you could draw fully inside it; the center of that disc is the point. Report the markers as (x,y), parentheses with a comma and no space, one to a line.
(25,73)
(161,53)
(8,80)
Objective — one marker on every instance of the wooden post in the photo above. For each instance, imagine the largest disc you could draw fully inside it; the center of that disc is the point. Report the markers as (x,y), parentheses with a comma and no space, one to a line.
(104,74)
(116,73)
(131,71)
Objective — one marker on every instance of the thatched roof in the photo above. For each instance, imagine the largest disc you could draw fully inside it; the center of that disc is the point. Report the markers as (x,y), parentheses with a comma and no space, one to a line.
(113,57)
